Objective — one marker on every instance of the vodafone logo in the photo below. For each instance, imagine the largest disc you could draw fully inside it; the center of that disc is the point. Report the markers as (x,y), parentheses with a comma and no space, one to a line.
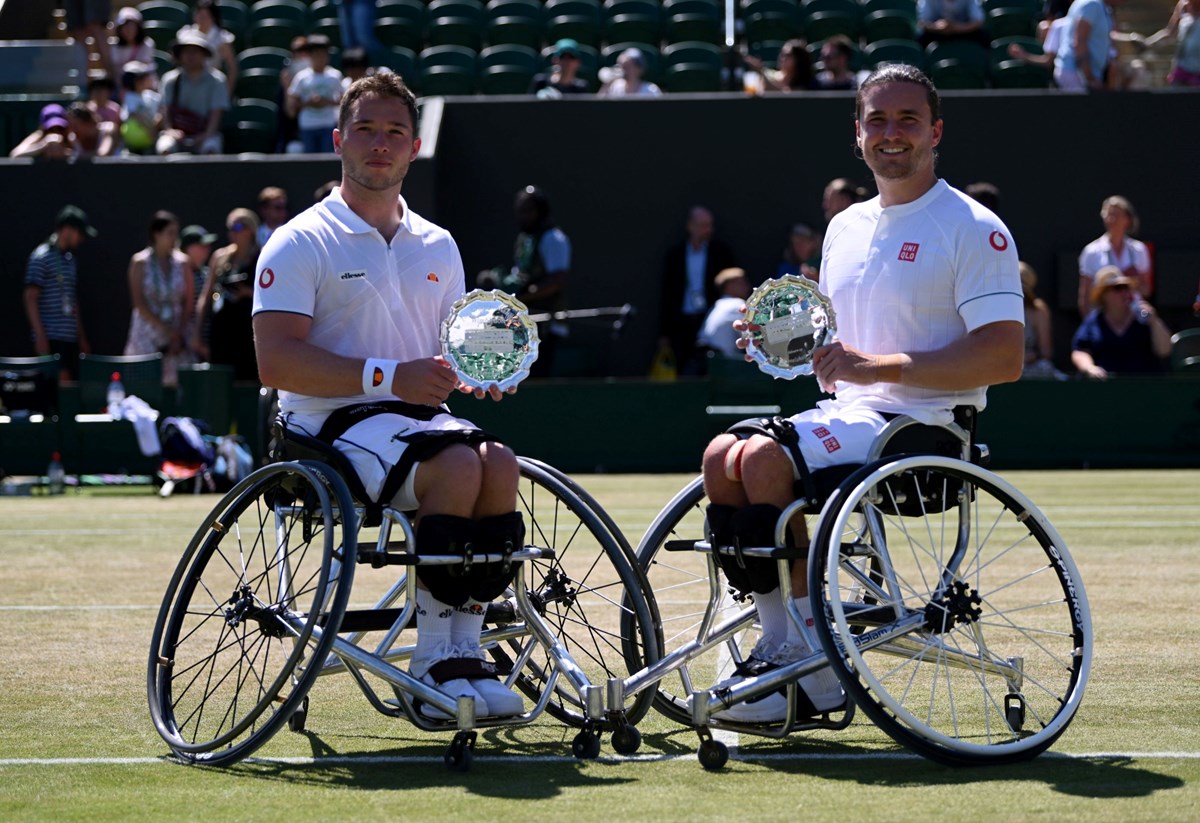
(265,278)
(999,241)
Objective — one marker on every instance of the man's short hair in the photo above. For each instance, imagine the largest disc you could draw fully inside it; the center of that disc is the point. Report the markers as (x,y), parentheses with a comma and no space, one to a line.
(383,84)
(271,193)
(899,73)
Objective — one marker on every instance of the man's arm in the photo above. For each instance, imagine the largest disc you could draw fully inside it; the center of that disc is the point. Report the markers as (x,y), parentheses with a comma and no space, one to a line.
(1083,58)
(41,344)
(287,361)
(991,354)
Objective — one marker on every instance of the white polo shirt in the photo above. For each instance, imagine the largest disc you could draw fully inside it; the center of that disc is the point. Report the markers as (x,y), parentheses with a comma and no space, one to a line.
(366,297)
(913,278)
(1099,253)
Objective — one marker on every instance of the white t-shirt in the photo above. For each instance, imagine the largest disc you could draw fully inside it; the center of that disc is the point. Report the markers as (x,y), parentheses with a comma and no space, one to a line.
(328,86)
(366,297)
(913,278)
(717,332)
(1099,253)
(618,88)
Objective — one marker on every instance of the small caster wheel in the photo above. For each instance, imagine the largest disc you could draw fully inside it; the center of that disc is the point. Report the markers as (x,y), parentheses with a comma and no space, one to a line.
(461,753)
(586,745)
(626,739)
(713,754)
(299,717)
(1014,711)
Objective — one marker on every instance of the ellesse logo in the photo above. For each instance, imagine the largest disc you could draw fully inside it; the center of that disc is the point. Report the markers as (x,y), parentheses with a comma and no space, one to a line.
(353,275)
(377,377)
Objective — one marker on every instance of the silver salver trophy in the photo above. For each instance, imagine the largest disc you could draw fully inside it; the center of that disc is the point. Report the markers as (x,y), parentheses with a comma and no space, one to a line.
(789,318)
(489,339)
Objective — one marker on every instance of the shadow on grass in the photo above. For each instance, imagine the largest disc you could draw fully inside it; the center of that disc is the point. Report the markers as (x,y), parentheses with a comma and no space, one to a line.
(1091,777)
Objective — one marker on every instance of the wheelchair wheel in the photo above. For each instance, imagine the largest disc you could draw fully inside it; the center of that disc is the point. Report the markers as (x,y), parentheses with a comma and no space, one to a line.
(236,645)
(951,610)
(590,592)
(679,581)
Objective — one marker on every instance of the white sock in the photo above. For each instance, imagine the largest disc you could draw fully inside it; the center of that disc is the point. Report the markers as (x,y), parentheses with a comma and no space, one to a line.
(772,617)
(433,631)
(822,686)
(466,624)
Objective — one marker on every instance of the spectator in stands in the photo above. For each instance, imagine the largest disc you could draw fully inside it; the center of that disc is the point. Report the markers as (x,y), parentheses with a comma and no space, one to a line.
(142,111)
(160,287)
(102,93)
(563,77)
(1082,60)
(196,242)
(628,82)
(357,19)
(324,190)
(272,212)
(92,137)
(950,20)
(986,194)
(289,132)
(356,64)
(840,194)
(51,294)
(835,73)
(1119,336)
(52,140)
(795,68)
(1182,28)
(802,256)
(717,334)
(540,268)
(87,22)
(1115,248)
(688,288)
(1039,343)
(1051,45)
(314,96)
(231,282)
(206,22)
(195,97)
(131,43)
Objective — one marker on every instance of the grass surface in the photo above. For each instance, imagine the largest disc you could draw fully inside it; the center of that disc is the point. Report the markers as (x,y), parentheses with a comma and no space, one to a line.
(82,577)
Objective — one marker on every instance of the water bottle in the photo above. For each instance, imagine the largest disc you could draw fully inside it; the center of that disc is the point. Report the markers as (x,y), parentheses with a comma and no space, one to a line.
(115,395)
(55,475)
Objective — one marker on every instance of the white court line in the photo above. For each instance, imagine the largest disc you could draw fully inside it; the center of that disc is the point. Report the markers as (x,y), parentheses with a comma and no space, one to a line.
(126,607)
(387,760)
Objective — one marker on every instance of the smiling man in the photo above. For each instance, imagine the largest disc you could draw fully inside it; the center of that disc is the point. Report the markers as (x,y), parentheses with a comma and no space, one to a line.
(349,297)
(927,292)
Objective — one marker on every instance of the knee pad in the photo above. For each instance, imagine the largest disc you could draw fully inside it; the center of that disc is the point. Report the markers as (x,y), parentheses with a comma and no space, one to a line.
(719,520)
(754,526)
(445,534)
(499,533)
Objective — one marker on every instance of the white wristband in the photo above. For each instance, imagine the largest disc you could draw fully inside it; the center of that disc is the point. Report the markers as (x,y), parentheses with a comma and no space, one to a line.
(377,376)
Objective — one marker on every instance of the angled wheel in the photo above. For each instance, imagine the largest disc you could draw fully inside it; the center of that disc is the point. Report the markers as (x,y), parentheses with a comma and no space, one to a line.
(251,612)
(590,592)
(951,610)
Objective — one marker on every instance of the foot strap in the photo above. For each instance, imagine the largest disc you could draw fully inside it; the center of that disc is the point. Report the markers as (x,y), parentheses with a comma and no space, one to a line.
(466,668)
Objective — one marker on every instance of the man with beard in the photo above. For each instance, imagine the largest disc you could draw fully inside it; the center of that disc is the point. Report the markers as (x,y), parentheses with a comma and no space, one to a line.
(927,292)
(349,298)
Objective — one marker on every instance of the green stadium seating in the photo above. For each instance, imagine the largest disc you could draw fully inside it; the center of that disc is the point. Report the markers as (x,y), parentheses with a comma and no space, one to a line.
(1010,21)
(170,11)
(448,70)
(633,27)
(771,20)
(276,32)
(401,60)
(405,28)
(893,51)
(1017,74)
(263,57)
(692,66)
(292,10)
(692,21)
(507,68)
(577,19)
(889,24)
(856,59)
(518,22)
(455,23)
(260,83)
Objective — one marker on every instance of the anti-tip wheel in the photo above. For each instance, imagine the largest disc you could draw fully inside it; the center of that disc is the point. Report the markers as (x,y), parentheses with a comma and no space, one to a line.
(586,745)
(299,718)
(713,755)
(626,739)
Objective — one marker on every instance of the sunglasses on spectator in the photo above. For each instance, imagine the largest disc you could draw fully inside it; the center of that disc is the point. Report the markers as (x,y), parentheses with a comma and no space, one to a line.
(238,226)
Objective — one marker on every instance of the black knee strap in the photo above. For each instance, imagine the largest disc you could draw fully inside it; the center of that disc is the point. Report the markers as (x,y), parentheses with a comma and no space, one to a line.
(501,533)
(446,534)
(719,521)
(754,526)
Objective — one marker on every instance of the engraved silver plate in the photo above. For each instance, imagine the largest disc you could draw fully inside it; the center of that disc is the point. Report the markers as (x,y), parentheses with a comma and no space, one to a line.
(789,318)
(489,339)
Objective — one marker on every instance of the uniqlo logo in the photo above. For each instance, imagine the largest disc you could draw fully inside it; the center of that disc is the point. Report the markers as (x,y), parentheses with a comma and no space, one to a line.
(821,432)
(831,445)
(909,251)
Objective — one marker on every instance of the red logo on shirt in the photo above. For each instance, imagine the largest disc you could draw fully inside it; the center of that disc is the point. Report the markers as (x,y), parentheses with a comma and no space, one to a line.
(265,278)
(908,252)
(433,278)
(821,432)
(998,240)
(831,445)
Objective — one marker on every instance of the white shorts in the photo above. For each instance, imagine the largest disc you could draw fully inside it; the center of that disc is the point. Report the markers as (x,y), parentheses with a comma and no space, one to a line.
(830,435)
(378,444)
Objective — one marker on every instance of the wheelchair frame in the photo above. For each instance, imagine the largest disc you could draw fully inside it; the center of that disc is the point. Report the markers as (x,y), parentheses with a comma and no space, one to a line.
(889,635)
(270,622)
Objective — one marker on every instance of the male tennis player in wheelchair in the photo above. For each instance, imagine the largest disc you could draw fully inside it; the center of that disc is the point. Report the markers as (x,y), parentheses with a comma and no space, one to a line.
(925,285)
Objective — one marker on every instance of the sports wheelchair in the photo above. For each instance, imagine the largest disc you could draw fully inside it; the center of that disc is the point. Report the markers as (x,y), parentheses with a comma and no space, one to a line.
(946,604)
(259,608)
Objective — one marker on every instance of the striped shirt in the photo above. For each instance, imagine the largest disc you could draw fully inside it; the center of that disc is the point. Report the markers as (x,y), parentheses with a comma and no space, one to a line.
(52,271)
